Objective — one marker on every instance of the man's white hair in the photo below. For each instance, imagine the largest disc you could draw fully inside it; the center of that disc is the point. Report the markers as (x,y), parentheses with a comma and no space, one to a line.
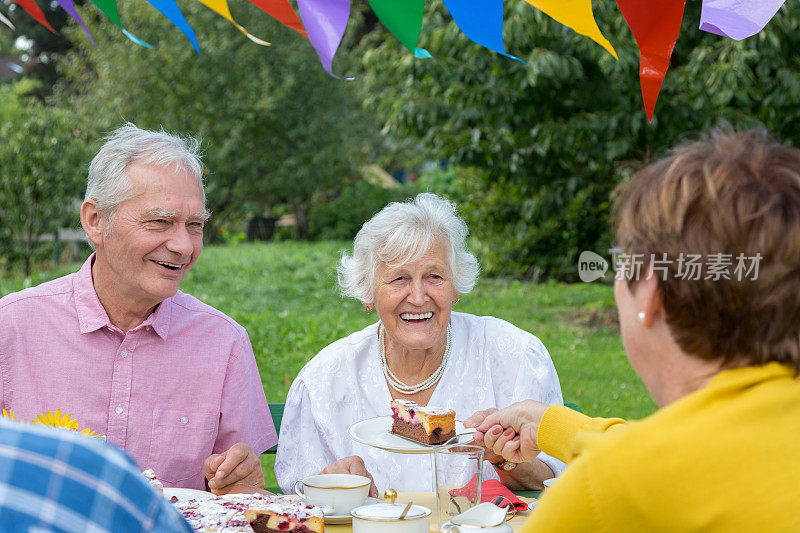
(401,233)
(108,183)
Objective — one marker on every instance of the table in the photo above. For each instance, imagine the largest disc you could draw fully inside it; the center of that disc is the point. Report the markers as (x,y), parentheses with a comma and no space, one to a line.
(428,499)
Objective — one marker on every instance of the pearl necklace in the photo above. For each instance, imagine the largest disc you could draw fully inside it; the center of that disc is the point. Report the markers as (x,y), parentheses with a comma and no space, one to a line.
(393,380)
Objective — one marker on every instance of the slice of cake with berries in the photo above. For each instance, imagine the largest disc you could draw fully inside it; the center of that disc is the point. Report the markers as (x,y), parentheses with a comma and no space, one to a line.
(285,514)
(424,424)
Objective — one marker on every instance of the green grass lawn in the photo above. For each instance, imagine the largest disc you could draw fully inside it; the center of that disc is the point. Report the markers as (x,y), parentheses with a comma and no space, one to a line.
(285,295)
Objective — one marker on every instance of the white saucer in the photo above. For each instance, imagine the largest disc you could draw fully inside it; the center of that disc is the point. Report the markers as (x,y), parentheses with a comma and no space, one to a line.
(375,432)
(346,518)
(186,494)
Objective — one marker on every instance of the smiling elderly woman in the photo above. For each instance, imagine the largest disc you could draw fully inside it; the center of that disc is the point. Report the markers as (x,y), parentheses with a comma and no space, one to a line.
(410,264)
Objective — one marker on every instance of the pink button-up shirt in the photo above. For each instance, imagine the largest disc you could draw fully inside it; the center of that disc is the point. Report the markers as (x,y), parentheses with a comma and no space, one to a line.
(172,391)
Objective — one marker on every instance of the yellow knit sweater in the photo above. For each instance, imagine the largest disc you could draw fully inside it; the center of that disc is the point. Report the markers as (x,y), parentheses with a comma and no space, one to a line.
(724,458)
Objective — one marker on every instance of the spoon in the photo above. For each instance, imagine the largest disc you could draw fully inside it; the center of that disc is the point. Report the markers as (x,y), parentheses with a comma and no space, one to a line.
(405,511)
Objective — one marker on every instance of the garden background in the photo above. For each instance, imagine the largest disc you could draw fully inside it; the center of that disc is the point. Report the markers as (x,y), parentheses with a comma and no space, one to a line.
(530,152)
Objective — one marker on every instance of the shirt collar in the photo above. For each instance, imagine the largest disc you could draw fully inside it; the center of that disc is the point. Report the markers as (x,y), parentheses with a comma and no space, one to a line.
(92,316)
(160,318)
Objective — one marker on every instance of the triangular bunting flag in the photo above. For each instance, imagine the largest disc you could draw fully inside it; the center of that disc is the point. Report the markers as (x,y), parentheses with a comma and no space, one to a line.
(281,10)
(737,19)
(221,8)
(69,7)
(7,22)
(575,14)
(403,20)
(34,11)
(655,26)
(481,21)
(325,22)
(170,9)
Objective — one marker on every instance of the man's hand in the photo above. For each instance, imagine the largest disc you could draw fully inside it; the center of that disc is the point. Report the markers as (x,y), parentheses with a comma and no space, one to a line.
(510,432)
(352,465)
(236,465)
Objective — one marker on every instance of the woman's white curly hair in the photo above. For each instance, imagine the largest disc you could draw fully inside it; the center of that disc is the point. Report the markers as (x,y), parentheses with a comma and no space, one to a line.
(401,233)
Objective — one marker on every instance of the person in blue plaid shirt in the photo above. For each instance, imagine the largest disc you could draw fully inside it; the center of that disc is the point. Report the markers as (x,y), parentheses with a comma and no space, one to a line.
(54,480)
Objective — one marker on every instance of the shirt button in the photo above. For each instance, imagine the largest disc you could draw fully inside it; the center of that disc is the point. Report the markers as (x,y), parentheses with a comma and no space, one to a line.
(147,328)
(184,420)
(119,409)
(124,353)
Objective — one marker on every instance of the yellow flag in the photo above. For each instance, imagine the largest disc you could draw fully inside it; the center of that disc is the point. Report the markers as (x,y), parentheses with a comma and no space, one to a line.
(221,7)
(575,14)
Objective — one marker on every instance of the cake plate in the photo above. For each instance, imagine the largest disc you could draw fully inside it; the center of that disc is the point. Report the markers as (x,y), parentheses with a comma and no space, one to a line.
(375,432)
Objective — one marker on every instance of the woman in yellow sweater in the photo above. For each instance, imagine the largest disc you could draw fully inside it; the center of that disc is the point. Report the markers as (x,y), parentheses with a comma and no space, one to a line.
(719,351)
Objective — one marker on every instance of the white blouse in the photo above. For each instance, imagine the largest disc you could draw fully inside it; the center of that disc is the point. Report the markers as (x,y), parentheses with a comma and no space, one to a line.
(492,364)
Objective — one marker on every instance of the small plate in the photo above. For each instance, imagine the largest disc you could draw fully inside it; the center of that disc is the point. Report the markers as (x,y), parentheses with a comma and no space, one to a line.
(375,432)
(186,494)
(346,518)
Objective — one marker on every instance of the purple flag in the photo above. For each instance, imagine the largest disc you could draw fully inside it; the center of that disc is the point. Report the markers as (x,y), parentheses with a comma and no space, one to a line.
(69,7)
(737,19)
(325,22)
(481,21)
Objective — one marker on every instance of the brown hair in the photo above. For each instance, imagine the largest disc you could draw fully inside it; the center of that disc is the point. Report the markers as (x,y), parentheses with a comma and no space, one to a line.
(736,194)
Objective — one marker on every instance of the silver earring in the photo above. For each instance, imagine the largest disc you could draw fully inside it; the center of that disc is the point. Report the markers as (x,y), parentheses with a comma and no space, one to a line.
(641,316)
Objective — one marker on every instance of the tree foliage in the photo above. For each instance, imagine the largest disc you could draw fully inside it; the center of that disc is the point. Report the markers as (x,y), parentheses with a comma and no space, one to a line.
(548,140)
(277,129)
(41,158)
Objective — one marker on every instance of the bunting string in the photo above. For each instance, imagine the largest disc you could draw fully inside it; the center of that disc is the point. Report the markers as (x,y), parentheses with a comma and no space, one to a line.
(655,25)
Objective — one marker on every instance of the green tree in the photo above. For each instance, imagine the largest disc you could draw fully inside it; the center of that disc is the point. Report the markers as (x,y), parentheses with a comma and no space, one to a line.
(42,156)
(548,140)
(277,128)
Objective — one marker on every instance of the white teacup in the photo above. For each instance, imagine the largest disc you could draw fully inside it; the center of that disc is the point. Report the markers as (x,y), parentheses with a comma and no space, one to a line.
(336,494)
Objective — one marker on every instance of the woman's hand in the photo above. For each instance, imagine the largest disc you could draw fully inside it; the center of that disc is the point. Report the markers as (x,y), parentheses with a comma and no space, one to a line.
(352,465)
(510,432)
(473,422)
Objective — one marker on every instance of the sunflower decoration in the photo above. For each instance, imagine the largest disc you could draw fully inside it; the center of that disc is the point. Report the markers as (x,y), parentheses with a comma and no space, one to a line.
(9,414)
(89,433)
(66,421)
(56,420)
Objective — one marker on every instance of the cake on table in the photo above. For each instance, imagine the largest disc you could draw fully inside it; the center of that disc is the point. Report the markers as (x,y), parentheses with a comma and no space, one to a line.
(154,481)
(251,513)
(428,425)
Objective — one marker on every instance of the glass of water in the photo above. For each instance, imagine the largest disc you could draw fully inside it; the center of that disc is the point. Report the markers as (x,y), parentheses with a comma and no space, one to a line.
(458,471)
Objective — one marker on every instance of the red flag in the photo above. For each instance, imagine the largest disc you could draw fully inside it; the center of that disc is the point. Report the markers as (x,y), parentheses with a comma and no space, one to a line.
(282,11)
(34,11)
(655,26)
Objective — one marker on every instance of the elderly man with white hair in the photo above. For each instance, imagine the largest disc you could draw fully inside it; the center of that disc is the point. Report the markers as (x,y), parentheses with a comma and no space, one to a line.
(164,376)
(410,264)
